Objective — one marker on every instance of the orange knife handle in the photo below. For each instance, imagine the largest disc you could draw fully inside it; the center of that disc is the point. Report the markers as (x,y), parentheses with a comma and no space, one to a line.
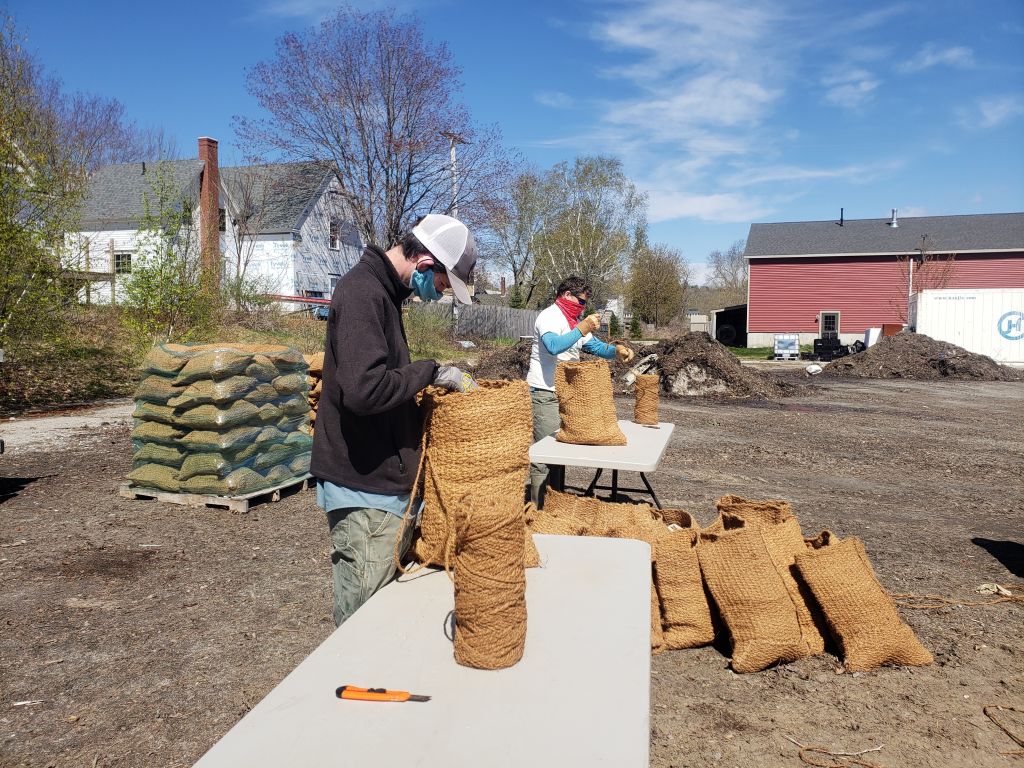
(354,693)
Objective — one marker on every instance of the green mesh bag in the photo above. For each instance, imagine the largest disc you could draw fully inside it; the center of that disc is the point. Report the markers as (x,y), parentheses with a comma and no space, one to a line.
(162,359)
(153,412)
(212,417)
(206,464)
(290,383)
(214,364)
(208,391)
(202,440)
(278,474)
(154,453)
(239,482)
(155,432)
(155,388)
(300,464)
(262,392)
(158,476)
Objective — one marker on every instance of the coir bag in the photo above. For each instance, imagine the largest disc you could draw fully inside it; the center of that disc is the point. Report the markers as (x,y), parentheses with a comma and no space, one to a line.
(685,615)
(475,444)
(862,616)
(751,595)
(586,405)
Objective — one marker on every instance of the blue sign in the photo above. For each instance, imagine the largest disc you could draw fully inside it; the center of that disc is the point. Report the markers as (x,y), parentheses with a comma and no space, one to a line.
(1011,326)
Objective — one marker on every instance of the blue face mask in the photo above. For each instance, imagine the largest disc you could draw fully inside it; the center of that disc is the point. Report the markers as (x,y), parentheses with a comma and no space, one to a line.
(423,285)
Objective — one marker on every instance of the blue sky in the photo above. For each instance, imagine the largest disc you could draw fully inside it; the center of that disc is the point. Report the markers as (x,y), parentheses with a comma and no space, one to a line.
(724,112)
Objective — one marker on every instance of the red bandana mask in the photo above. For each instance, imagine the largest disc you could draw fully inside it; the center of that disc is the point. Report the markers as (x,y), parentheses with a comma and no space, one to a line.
(573,312)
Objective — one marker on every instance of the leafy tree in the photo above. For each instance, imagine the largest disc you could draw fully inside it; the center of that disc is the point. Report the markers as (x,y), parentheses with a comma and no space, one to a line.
(515,297)
(365,92)
(164,294)
(635,330)
(614,326)
(657,284)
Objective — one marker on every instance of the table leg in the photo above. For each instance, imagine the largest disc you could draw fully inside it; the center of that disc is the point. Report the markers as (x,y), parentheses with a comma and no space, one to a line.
(556,477)
(615,485)
(593,483)
(650,490)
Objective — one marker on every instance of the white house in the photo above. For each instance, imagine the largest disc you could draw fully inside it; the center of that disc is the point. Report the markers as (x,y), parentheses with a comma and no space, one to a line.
(280,224)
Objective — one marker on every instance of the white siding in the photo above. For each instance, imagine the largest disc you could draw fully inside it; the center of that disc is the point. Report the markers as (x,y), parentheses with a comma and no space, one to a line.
(93,252)
(315,261)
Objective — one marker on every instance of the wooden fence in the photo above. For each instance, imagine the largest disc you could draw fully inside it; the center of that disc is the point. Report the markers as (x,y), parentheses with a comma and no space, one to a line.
(484,322)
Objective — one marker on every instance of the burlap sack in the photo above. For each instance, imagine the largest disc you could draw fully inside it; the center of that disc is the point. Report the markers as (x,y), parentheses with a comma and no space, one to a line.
(645,409)
(544,521)
(315,363)
(475,444)
(861,615)
(685,615)
(751,596)
(586,405)
(784,540)
(156,476)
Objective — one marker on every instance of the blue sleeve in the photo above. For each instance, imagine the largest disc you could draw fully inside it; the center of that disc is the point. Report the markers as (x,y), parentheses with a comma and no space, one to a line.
(600,348)
(556,344)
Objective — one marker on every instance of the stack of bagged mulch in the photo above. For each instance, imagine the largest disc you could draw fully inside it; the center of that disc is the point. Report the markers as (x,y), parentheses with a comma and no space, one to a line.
(315,380)
(781,597)
(220,419)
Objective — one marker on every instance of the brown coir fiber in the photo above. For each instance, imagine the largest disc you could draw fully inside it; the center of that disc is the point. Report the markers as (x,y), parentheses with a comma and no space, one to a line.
(490,583)
(645,411)
(751,596)
(586,404)
(685,615)
(596,517)
(475,444)
(860,613)
(784,540)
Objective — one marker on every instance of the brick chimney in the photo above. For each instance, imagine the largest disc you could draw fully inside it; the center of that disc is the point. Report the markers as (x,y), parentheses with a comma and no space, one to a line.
(209,214)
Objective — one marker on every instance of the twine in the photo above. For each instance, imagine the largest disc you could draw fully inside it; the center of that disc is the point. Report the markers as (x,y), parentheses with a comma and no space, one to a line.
(646,409)
(490,583)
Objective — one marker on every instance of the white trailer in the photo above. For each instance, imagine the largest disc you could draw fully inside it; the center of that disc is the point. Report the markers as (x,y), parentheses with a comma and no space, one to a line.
(989,321)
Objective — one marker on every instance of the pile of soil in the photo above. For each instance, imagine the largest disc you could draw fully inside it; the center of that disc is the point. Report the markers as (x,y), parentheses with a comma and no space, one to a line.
(508,363)
(916,356)
(695,365)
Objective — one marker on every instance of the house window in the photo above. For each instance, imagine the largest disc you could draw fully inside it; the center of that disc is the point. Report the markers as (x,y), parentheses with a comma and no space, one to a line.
(122,263)
(222,220)
(829,325)
(334,282)
(335,235)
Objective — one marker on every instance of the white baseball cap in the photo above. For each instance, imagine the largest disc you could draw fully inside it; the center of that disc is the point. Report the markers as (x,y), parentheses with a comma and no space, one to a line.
(450,242)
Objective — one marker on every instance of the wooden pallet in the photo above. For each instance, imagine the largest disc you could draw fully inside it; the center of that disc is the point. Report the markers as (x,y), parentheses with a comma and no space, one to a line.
(234,503)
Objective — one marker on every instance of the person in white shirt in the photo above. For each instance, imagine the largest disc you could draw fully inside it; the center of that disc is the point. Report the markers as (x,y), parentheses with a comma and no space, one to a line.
(559,334)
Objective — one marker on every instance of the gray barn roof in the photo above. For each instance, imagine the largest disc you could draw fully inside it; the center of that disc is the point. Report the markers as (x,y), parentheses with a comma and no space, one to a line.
(945,234)
(115,193)
(279,196)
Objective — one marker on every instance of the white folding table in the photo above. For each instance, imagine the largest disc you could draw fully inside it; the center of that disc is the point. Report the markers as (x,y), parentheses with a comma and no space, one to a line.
(642,453)
(580,696)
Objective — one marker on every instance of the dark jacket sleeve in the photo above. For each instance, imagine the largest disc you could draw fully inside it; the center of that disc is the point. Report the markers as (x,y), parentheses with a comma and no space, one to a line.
(368,386)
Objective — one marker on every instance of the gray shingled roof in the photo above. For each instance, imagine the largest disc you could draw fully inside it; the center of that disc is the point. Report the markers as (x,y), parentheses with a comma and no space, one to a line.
(114,198)
(285,192)
(945,234)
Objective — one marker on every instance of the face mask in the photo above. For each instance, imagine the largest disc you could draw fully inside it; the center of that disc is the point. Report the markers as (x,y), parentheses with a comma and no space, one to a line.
(423,285)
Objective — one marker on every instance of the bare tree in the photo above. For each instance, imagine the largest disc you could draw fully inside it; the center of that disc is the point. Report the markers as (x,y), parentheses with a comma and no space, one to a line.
(515,218)
(367,93)
(728,273)
(923,270)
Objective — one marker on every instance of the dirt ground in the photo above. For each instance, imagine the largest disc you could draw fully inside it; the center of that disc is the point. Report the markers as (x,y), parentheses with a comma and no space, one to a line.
(137,633)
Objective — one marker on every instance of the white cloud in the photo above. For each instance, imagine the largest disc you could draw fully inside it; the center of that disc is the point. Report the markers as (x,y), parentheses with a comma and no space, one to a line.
(554,99)
(849,89)
(321,9)
(912,211)
(789,173)
(667,204)
(932,55)
(999,109)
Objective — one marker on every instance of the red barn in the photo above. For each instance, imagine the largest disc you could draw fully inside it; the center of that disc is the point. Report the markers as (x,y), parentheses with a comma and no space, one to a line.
(807,277)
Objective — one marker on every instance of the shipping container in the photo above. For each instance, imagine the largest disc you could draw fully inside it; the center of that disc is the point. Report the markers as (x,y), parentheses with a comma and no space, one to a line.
(989,321)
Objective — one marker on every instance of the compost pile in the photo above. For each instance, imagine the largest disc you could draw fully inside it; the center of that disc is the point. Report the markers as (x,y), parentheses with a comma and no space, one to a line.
(695,365)
(916,356)
(506,364)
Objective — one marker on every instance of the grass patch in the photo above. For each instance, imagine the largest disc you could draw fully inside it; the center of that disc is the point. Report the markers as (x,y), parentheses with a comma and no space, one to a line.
(762,353)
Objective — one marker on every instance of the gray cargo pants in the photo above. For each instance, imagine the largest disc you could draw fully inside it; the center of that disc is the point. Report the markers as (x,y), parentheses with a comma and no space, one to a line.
(362,554)
(545,422)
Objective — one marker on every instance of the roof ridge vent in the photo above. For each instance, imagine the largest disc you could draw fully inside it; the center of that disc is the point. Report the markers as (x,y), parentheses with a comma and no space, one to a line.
(894,222)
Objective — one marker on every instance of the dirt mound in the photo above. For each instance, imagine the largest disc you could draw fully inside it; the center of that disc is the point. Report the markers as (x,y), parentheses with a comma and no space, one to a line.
(694,364)
(916,356)
(508,363)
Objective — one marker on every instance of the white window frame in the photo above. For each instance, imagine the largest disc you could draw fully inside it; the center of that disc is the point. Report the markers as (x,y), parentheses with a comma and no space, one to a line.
(122,254)
(821,321)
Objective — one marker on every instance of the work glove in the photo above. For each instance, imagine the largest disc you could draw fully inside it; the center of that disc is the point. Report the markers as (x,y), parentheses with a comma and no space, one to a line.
(454,379)
(624,353)
(589,324)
